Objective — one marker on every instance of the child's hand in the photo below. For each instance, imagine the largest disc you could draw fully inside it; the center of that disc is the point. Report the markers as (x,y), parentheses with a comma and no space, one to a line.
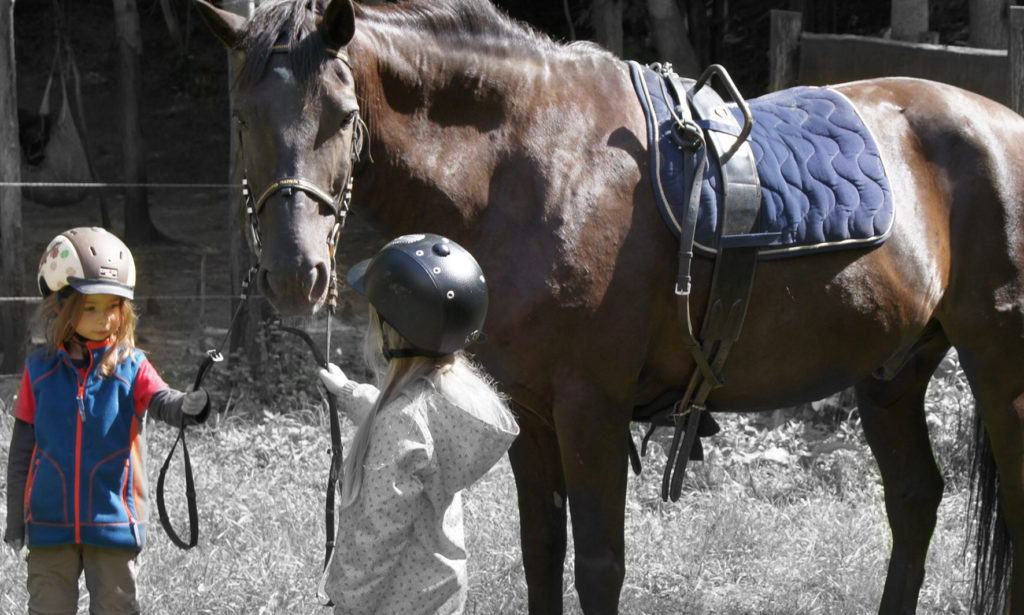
(335,380)
(196,406)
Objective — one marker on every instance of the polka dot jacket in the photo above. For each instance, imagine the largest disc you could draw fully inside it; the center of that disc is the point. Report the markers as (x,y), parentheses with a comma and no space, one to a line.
(400,547)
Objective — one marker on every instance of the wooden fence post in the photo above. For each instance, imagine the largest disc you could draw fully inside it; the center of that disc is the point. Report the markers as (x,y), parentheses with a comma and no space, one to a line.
(785,49)
(1015,59)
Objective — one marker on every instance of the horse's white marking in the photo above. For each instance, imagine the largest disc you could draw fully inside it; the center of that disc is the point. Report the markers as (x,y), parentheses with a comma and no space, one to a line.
(285,74)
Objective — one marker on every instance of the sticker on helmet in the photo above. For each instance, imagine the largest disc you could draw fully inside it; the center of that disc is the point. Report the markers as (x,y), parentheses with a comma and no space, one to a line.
(108,272)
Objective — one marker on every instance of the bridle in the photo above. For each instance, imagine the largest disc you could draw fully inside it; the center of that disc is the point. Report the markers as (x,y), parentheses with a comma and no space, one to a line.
(339,204)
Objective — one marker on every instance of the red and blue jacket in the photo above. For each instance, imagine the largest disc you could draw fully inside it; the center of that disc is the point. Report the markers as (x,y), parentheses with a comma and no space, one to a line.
(87,480)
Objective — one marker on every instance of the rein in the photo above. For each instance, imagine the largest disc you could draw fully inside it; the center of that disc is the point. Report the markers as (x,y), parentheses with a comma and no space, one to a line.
(212,356)
(336,448)
(339,205)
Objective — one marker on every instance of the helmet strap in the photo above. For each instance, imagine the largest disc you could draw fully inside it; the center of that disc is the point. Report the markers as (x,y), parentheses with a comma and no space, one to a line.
(408,353)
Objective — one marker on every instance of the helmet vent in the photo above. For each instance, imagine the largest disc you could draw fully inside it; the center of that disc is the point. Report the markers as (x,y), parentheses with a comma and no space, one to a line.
(93,250)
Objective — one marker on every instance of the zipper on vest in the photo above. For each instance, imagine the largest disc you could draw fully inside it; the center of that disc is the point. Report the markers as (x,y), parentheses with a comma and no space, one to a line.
(78,476)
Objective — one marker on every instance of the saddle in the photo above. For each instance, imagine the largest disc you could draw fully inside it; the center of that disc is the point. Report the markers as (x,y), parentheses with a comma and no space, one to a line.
(805,177)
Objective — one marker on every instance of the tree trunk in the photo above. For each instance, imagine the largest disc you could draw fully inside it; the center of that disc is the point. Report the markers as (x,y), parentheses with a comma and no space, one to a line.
(12,259)
(138,226)
(668,29)
(909,19)
(606,16)
(988,19)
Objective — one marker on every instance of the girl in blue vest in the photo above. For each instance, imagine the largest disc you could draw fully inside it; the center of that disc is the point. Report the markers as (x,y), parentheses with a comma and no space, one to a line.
(433,427)
(76,474)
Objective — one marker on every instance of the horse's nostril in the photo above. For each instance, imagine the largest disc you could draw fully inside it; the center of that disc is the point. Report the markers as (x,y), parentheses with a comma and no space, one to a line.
(318,281)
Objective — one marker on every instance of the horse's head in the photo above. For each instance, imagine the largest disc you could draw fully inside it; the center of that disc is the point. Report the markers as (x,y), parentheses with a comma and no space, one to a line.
(299,133)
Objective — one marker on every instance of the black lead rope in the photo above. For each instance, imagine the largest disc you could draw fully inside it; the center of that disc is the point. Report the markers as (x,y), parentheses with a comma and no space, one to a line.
(212,356)
(336,448)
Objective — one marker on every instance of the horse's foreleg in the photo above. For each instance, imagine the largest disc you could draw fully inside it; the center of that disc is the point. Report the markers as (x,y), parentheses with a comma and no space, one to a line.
(594,460)
(892,414)
(542,515)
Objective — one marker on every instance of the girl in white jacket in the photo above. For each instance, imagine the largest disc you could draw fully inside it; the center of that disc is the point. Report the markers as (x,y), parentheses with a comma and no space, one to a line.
(434,427)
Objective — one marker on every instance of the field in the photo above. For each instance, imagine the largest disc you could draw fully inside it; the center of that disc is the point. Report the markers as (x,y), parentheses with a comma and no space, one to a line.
(784,517)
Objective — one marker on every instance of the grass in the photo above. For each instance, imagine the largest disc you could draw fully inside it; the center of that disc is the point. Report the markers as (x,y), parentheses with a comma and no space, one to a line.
(784,517)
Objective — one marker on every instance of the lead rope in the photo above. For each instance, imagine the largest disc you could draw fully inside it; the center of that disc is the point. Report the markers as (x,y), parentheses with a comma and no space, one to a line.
(212,356)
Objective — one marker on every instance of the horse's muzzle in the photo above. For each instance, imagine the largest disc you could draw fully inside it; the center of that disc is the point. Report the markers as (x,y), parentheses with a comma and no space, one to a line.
(296,292)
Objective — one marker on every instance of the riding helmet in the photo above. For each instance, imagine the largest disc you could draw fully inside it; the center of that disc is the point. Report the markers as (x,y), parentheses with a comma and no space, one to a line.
(89,259)
(428,288)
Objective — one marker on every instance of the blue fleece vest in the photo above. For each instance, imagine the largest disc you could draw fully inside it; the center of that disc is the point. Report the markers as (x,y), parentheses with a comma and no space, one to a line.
(86,484)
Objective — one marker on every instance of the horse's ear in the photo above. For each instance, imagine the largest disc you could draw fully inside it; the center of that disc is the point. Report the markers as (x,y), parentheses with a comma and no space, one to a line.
(227,26)
(339,23)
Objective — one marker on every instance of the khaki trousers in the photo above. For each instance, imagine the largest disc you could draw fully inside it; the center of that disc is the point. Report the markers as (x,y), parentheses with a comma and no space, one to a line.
(109,576)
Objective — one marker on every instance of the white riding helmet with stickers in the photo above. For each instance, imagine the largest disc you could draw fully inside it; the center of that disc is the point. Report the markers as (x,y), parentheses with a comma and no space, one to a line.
(429,288)
(89,259)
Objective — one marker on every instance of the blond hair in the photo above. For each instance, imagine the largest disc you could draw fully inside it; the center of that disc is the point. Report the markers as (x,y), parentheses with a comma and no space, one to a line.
(59,313)
(453,376)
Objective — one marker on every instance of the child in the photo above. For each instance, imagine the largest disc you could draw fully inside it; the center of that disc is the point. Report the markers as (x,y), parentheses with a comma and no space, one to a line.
(433,428)
(76,472)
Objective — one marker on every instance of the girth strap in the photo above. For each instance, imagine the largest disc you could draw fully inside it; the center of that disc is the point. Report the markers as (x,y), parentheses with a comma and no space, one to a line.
(735,262)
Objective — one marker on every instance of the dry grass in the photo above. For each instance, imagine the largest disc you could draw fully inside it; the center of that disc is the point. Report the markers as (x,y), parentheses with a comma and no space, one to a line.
(784,517)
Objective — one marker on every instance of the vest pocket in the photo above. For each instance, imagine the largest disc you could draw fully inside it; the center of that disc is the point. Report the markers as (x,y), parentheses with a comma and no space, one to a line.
(108,484)
(47,491)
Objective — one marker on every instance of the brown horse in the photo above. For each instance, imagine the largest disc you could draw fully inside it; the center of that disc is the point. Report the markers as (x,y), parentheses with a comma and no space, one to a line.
(533,154)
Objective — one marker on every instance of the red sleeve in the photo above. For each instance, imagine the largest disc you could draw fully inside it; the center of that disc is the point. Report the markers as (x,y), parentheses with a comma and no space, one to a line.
(25,405)
(147,382)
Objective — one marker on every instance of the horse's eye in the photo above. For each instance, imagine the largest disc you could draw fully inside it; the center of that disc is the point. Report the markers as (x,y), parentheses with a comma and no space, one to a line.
(350,117)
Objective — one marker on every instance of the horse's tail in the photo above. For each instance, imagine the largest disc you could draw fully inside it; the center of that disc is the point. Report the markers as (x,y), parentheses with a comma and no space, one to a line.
(992,547)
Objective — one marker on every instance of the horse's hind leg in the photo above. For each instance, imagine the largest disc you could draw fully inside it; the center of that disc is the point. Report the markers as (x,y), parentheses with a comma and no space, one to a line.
(893,416)
(995,375)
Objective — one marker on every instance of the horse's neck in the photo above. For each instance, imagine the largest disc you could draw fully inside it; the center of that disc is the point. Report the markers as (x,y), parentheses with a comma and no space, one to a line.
(441,124)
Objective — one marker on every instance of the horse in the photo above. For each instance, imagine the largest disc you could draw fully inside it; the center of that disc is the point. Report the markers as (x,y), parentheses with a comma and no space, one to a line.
(447,116)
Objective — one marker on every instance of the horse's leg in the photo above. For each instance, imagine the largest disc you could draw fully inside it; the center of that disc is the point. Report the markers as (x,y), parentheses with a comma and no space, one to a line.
(995,378)
(893,417)
(595,462)
(542,515)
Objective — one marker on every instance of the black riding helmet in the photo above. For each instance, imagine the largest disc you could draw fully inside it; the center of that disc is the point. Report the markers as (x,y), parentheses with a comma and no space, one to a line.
(428,288)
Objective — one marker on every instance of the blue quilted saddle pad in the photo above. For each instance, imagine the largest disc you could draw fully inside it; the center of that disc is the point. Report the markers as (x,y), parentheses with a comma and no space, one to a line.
(823,184)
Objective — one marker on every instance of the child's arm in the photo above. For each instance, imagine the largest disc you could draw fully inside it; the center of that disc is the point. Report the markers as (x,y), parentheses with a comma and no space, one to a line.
(358,398)
(23,442)
(169,405)
(179,408)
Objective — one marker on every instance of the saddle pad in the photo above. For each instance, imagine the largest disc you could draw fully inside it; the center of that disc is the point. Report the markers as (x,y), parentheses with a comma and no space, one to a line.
(823,184)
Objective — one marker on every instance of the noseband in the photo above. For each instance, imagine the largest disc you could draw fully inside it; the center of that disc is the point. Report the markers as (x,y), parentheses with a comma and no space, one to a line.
(339,204)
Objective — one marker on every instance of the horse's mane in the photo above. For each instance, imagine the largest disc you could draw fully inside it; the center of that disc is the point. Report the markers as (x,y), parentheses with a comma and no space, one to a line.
(473,22)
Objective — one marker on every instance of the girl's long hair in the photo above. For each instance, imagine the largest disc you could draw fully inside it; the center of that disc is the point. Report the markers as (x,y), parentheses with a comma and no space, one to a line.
(453,376)
(58,314)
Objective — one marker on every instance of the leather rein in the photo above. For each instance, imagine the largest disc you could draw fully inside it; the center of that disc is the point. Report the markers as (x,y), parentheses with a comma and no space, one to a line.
(339,205)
